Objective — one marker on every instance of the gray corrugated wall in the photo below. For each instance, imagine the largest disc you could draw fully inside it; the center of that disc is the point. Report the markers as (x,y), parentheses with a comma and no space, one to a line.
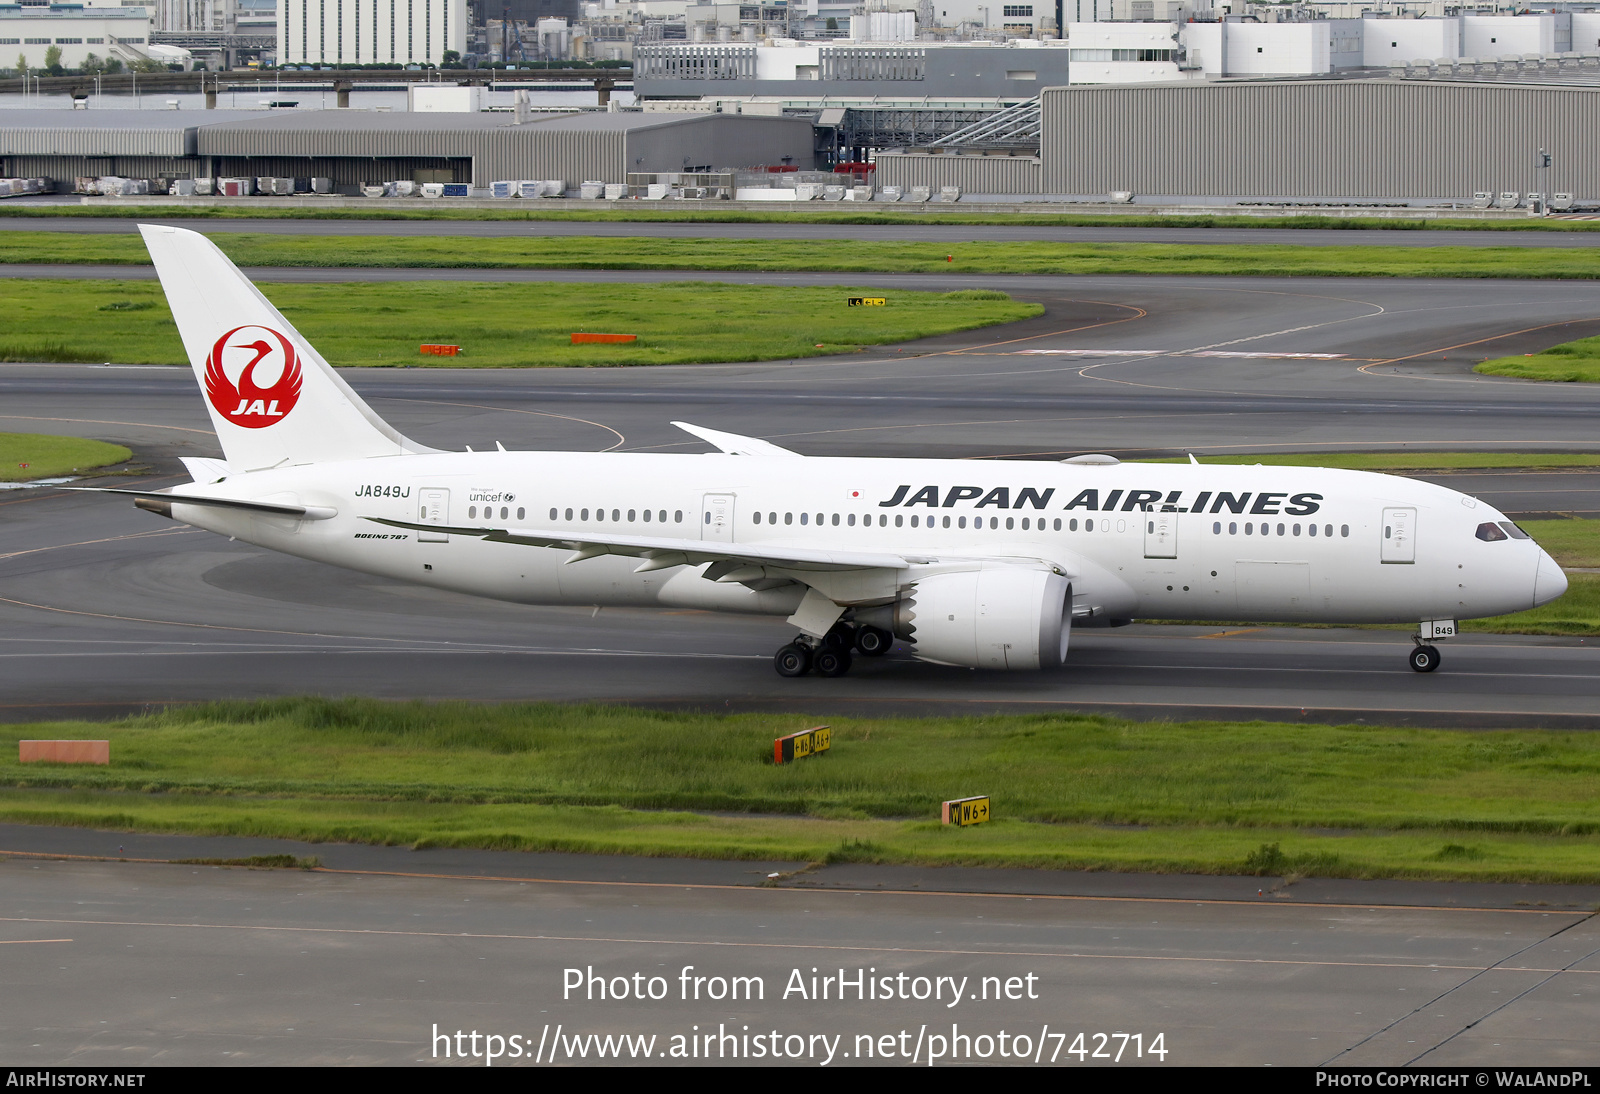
(509,152)
(86,141)
(720,140)
(974,174)
(1337,139)
(529,153)
(64,169)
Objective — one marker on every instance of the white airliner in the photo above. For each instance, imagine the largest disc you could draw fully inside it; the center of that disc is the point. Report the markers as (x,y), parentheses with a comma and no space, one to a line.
(980,564)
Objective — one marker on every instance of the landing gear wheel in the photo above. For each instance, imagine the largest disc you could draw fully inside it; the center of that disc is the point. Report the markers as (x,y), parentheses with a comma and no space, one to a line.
(792,660)
(872,642)
(1425,658)
(840,636)
(832,661)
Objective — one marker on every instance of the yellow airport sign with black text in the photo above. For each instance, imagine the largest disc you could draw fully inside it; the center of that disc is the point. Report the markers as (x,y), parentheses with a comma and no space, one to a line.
(965,811)
(797,746)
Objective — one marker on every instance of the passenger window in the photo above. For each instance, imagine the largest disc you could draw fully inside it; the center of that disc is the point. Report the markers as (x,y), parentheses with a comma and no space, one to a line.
(1216,527)
(1058,524)
(616,514)
(521,513)
(961,522)
(569,514)
(805,518)
(899,520)
(788,518)
(1248,528)
(947,521)
(677,516)
(1312,529)
(552,514)
(1024,523)
(883,520)
(1073,526)
(631,515)
(583,513)
(1297,529)
(914,519)
(1489,532)
(1280,529)
(851,521)
(836,520)
(1233,528)
(1010,525)
(708,516)
(647,516)
(772,518)
(1513,531)
(599,514)
(756,518)
(1327,530)
(1344,531)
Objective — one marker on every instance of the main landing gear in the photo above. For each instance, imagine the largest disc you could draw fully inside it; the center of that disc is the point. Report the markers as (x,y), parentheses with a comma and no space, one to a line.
(831,655)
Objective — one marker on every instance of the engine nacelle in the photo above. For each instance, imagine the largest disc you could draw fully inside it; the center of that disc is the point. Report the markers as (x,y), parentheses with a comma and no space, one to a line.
(1004,617)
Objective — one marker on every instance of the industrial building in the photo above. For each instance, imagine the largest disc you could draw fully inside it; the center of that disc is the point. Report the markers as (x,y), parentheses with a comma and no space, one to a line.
(1396,140)
(357,147)
(370,31)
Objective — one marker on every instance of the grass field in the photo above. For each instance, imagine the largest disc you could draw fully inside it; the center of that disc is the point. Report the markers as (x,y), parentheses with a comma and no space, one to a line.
(25,456)
(877,214)
(838,256)
(1068,790)
(1405,461)
(500,325)
(1570,362)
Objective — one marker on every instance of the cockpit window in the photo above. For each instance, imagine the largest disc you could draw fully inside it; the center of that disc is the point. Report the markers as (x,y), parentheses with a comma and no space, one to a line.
(1490,532)
(1513,531)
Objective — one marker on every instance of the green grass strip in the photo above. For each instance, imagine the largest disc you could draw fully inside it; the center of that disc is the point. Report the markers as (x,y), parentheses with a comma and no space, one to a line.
(836,256)
(514,325)
(1405,461)
(878,214)
(1068,790)
(1570,362)
(25,456)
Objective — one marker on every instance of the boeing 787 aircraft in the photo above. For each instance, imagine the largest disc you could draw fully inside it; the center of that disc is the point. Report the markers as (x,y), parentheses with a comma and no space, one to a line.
(979,564)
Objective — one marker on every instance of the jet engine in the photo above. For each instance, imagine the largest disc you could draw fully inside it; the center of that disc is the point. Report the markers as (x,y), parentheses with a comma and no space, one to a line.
(1009,617)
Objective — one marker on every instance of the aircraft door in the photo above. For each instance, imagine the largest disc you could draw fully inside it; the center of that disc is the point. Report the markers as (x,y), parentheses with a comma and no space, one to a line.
(717,522)
(434,508)
(1160,535)
(1399,544)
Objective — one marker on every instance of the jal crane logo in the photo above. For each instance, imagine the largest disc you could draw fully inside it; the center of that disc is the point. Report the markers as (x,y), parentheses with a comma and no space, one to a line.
(253,376)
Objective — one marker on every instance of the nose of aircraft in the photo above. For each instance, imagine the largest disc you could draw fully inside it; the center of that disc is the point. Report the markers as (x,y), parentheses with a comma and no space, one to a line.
(1549,582)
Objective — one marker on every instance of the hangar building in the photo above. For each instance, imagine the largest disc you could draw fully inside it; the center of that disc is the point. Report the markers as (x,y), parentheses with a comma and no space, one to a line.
(1303,140)
(354,147)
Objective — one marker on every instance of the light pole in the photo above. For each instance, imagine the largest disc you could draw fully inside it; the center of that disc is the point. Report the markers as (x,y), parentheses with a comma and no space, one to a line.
(1541,172)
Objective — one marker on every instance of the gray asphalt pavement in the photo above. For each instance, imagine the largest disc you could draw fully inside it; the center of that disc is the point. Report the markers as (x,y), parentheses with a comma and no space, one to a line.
(910,233)
(103,607)
(133,965)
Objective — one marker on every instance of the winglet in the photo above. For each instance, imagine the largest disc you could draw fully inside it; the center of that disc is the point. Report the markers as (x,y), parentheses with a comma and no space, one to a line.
(735,445)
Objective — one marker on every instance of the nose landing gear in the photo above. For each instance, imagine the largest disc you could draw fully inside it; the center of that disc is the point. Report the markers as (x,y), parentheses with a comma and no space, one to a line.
(1425,658)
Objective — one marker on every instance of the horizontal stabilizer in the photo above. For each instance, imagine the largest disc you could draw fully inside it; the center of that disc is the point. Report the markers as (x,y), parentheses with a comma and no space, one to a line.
(735,445)
(167,500)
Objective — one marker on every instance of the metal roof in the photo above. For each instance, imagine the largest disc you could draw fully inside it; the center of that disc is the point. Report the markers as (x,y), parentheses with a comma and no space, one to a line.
(67,132)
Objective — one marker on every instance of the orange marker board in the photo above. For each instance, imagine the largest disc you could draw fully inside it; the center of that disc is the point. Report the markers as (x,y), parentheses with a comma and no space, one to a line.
(64,752)
(430,349)
(579,337)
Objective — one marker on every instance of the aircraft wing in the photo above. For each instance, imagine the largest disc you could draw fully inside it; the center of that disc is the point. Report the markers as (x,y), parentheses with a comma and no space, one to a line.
(661,552)
(164,500)
(735,445)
